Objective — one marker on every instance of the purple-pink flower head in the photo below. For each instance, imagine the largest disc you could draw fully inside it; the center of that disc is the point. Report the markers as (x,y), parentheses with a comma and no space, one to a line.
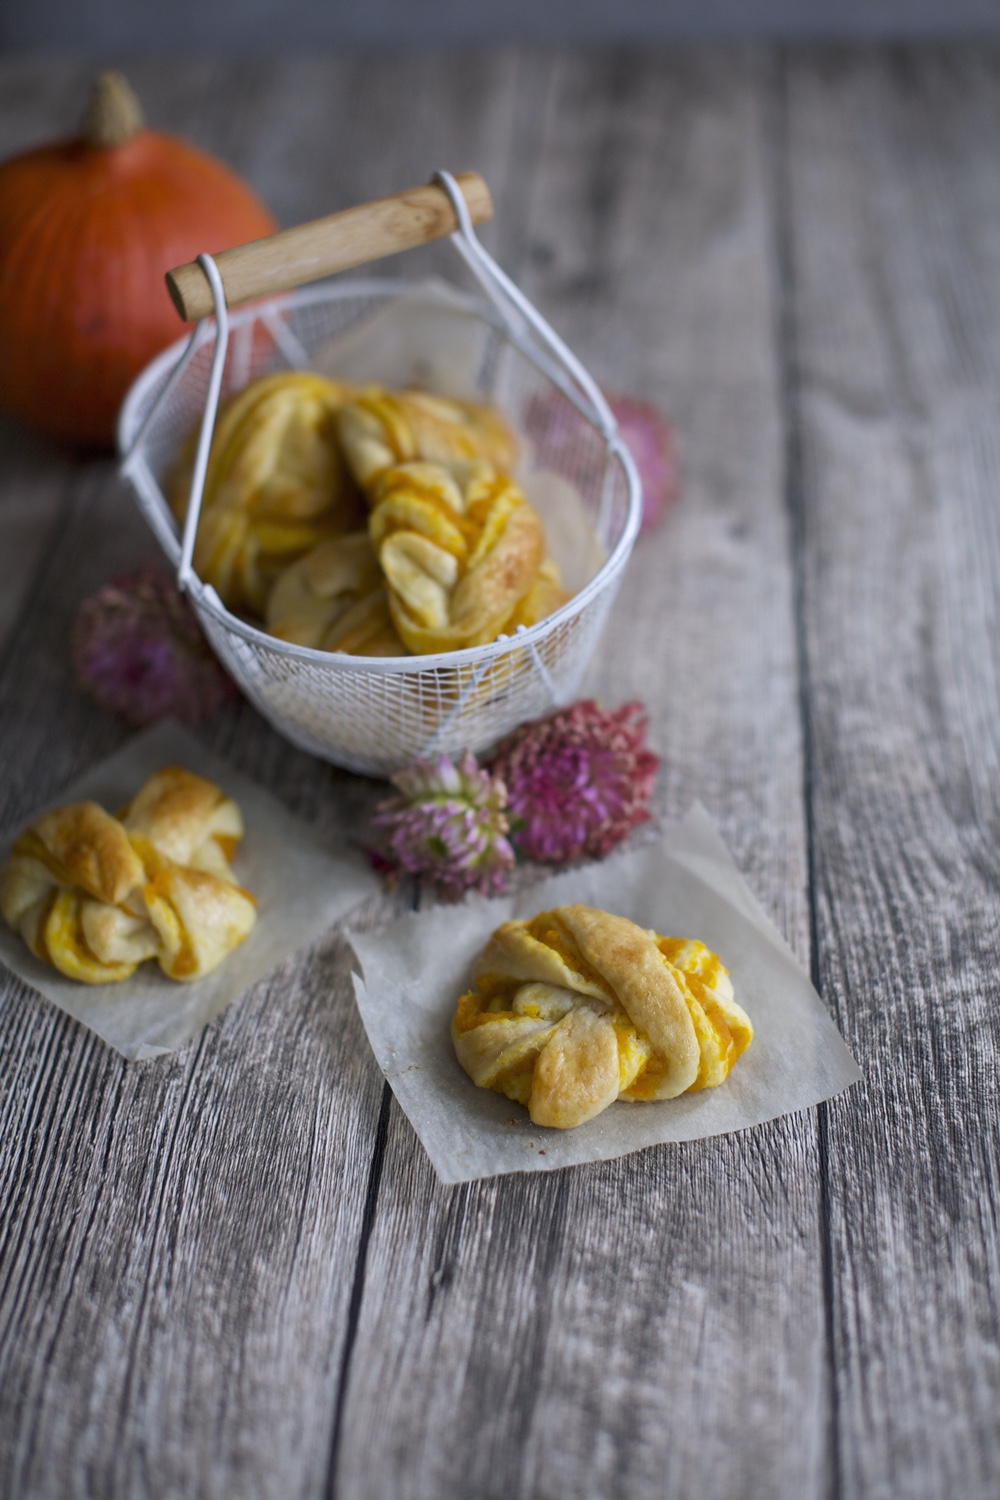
(578,781)
(449,824)
(649,437)
(138,650)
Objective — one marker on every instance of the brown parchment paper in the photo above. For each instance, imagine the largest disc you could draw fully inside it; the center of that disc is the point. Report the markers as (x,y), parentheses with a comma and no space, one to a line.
(685,884)
(301,885)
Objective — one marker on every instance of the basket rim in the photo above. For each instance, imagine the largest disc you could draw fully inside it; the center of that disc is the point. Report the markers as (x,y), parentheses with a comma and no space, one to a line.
(524,637)
(137,472)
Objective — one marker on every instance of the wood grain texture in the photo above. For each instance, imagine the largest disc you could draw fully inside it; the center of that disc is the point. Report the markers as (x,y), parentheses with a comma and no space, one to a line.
(653,1325)
(179,1237)
(894,215)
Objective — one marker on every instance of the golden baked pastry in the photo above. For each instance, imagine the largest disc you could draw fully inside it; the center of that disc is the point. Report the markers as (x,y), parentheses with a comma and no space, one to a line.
(276,484)
(380,428)
(186,818)
(459,549)
(198,918)
(334,599)
(545,595)
(71,855)
(578,1008)
(94,896)
(85,846)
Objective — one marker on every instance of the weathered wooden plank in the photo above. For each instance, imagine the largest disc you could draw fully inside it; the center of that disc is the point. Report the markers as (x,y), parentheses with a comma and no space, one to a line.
(654,1325)
(894,207)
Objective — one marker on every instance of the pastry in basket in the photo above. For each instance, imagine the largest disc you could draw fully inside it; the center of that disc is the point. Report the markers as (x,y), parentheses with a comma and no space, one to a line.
(380,428)
(578,1008)
(276,484)
(545,595)
(460,548)
(334,599)
(94,896)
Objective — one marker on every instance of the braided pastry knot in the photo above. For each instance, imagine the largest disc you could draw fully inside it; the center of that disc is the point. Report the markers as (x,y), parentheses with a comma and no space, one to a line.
(276,484)
(94,896)
(334,599)
(578,1008)
(382,428)
(459,548)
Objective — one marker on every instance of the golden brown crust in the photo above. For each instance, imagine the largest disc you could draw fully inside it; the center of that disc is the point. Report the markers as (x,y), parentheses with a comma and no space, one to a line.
(187,818)
(334,599)
(577,1007)
(576,1075)
(380,428)
(366,629)
(520,951)
(93,897)
(83,845)
(459,550)
(62,942)
(646,988)
(276,484)
(199,918)
(288,455)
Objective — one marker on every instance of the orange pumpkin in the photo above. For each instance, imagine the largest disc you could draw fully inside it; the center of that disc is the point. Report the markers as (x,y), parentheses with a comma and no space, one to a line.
(88,228)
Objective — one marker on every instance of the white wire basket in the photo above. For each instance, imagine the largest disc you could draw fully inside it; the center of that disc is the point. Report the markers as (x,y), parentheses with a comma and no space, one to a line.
(370,714)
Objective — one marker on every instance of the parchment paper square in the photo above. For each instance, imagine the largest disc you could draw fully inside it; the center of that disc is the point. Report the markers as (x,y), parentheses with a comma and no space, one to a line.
(302,887)
(684,885)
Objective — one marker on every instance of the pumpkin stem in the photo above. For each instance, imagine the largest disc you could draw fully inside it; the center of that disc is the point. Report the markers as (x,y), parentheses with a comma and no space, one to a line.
(113,114)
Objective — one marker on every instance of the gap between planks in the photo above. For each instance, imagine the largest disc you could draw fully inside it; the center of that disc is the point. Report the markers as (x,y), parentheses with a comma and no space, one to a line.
(795,502)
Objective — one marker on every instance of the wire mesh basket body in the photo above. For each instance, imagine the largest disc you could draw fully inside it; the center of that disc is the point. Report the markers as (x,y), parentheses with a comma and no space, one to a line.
(374,715)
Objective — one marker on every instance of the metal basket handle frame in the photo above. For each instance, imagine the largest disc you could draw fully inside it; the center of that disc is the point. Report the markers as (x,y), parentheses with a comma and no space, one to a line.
(525,327)
(519,314)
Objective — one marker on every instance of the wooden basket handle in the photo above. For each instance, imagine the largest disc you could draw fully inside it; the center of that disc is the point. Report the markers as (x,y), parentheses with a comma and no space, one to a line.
(351,238)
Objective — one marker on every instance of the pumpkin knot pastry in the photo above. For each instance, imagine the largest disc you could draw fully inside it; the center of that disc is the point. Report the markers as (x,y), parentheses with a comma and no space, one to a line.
(460,548)
(578,1008)
(276,484)
(334,599)
(94,896)
(187,818)
(380,428)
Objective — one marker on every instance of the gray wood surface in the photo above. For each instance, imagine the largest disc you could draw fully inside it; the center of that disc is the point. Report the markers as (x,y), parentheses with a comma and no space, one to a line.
(233,1271)
(894,204)
(88,26)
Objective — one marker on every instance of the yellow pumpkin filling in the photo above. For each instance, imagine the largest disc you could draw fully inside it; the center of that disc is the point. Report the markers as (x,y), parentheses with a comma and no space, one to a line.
(576,1008)
(547,929)
(66,947)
